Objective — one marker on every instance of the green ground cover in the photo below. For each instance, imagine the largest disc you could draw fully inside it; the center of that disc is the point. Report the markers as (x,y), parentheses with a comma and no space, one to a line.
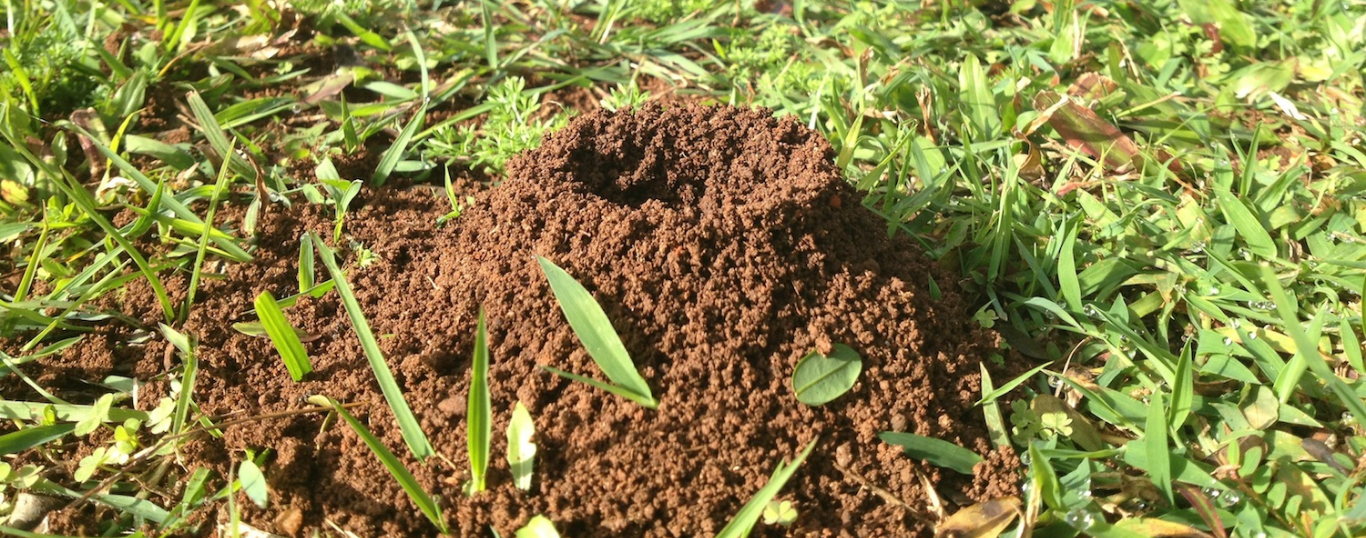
(1159,202)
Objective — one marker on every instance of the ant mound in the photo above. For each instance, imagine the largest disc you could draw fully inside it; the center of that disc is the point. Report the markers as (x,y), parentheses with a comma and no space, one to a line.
(722,244)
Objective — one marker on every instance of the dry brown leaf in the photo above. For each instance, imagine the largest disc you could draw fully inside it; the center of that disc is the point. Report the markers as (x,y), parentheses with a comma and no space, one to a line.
(982,520)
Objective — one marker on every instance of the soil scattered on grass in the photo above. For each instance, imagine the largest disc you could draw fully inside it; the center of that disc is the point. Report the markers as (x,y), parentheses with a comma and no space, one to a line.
(722,244)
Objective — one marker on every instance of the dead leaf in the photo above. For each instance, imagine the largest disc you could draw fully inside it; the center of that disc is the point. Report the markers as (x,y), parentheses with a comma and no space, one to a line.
(982,520)
(1093,86)
(1082,129)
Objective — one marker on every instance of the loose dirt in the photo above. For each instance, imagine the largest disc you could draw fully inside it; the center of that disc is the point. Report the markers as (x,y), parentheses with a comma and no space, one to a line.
(723,245)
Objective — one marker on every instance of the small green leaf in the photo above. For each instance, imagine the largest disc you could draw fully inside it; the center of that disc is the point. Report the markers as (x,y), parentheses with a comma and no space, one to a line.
(99,414)
(284,336)
(595,331)
(538,527)
(934,451)
(521,450)
(253,482)
(780,513)
(818,378)
(479,425)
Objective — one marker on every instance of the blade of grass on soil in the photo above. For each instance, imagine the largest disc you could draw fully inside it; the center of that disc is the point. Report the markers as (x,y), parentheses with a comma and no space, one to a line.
(186,346)
(285,338)
(935,451)
(750,513)
(405,478)
(595,331)
(480,426)
(521,450)
(407,423)
(15,442)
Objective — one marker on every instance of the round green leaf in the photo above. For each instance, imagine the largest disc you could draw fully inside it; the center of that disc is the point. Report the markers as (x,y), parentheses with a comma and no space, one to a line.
(819,379)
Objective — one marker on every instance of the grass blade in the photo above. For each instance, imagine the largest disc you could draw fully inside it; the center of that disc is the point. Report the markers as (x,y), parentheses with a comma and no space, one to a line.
(405,478)
(285,338)
(1155,444)
(15,442)
(521,451)
(992,395)
(1183,390)
(31,411)
(749,514)
(306,262)
(611,389)
(407,423)
(935,451)
(593,328)
(480,426)
(186,346)
(995,424)
(1259,242)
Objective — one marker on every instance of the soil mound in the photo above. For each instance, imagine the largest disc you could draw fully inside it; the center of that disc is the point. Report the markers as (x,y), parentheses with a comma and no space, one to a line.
(723,245)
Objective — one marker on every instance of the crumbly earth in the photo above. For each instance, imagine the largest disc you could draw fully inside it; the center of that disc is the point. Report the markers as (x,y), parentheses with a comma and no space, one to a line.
(723,245)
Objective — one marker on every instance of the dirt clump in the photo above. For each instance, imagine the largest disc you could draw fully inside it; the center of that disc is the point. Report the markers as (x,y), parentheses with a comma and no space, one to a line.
(723,245)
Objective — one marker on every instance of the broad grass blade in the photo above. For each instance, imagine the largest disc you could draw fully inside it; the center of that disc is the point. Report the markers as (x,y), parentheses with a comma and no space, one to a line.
(935,451)
(479,426)
(15,442)
(405,478)
(283,335)
(521,450)
(749,514)
(31,411)
(1045,478)
(593,328)
(407,423)
(995,424)
(1259,242)
(187,379)
(1155,444)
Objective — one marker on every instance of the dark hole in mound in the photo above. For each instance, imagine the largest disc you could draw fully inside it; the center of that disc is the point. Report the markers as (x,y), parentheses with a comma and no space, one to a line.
(755,263)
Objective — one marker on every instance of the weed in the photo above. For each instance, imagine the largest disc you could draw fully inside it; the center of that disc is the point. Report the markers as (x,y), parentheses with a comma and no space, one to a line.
(512,125)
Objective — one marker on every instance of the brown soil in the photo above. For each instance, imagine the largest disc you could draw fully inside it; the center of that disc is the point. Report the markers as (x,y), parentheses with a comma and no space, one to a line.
(722,244)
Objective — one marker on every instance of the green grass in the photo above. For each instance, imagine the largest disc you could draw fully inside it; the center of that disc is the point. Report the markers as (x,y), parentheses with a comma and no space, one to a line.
(1159,203)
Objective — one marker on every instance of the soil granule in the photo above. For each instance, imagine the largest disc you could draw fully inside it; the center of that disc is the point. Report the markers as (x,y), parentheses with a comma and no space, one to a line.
(723,245)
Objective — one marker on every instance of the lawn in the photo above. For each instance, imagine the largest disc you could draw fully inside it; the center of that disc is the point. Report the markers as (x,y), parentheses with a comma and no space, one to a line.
(683,268)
